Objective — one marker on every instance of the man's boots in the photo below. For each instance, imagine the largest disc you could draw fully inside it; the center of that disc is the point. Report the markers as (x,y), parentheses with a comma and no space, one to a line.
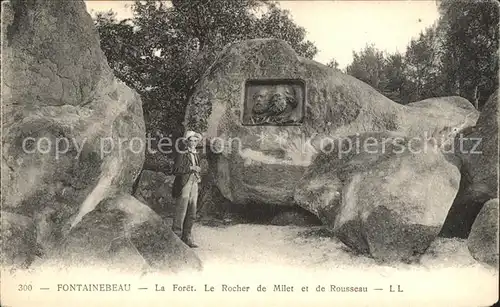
(189,242)
(186,232)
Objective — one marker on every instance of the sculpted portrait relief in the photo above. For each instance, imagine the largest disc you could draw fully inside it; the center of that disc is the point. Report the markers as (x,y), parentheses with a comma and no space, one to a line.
(274,102)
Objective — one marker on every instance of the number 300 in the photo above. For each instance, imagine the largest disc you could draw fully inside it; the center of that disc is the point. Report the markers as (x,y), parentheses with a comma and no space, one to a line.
(25,288)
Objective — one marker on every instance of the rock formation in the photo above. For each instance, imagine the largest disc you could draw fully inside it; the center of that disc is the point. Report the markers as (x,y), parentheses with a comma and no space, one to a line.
(483,238)
(264,163)
(388,199)
(125,232)
(73,135)
(478,151)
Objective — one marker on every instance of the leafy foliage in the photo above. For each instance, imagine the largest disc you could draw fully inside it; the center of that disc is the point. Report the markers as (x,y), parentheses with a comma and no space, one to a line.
(394,77)
(421,67)
(384,72)
(368,66)
(333,64)
(165,48)
(458,55)
(470,47)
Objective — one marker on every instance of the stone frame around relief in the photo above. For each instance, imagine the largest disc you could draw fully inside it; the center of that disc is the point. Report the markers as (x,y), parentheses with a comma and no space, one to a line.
(274,95)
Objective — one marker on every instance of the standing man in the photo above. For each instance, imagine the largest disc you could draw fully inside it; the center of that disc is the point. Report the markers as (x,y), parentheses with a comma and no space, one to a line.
(185,188)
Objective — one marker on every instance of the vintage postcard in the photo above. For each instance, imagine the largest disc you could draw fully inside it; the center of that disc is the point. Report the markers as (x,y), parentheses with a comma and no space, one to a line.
(246,152)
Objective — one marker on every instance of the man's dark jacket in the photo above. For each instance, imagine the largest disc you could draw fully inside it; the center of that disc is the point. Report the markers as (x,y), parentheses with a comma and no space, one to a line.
(182,171)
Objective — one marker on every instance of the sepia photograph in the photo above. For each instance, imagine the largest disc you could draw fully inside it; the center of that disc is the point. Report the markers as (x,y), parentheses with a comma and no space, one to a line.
(249,152)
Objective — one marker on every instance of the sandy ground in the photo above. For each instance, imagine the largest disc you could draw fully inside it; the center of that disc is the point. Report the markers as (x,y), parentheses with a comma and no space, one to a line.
(272,245)
(309,247)
(305,258)
(447,273)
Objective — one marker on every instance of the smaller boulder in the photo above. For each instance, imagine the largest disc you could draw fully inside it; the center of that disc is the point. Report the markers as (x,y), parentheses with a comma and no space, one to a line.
(483,238)
(121,231)
(477,149)
(387,197)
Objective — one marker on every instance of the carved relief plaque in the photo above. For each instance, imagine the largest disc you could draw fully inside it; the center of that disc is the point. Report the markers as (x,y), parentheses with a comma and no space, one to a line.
(274,102)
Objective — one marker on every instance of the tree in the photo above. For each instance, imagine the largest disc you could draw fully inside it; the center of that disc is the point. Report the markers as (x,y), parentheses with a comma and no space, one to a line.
(121,49)
(394,77)
(384,72)
(458,55)
(333,64)
(166,47)
(422,67)
(368,66)
(470,46)
(277,23)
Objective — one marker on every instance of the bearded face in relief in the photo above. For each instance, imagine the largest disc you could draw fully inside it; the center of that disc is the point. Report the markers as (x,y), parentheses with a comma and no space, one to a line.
(283,99)
(261,101)
(273,105)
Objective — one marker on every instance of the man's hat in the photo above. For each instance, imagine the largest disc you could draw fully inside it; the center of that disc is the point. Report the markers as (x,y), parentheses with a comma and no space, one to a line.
(190,134)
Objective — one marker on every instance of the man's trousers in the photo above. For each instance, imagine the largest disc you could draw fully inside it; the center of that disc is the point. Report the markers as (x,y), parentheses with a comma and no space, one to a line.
(185,209)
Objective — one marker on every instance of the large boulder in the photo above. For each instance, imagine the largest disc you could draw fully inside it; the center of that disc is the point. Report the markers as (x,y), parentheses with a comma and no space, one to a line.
(387,198)
(477,149)
(63,111)
(69,126)
(449,104)
(72,133)
(483,237)
(264,163)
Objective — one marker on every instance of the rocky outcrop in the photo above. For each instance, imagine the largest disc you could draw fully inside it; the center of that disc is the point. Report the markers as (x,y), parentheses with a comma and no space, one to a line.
(387,198)
(73,135)
(477,149)
(65,114)
(483,238)
(264,163)
(449,104)
(124,231)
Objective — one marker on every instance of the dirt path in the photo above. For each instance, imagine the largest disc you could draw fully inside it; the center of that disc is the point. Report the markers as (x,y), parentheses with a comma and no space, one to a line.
(249,255)
(264,254)
(308,247)
(265,244)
